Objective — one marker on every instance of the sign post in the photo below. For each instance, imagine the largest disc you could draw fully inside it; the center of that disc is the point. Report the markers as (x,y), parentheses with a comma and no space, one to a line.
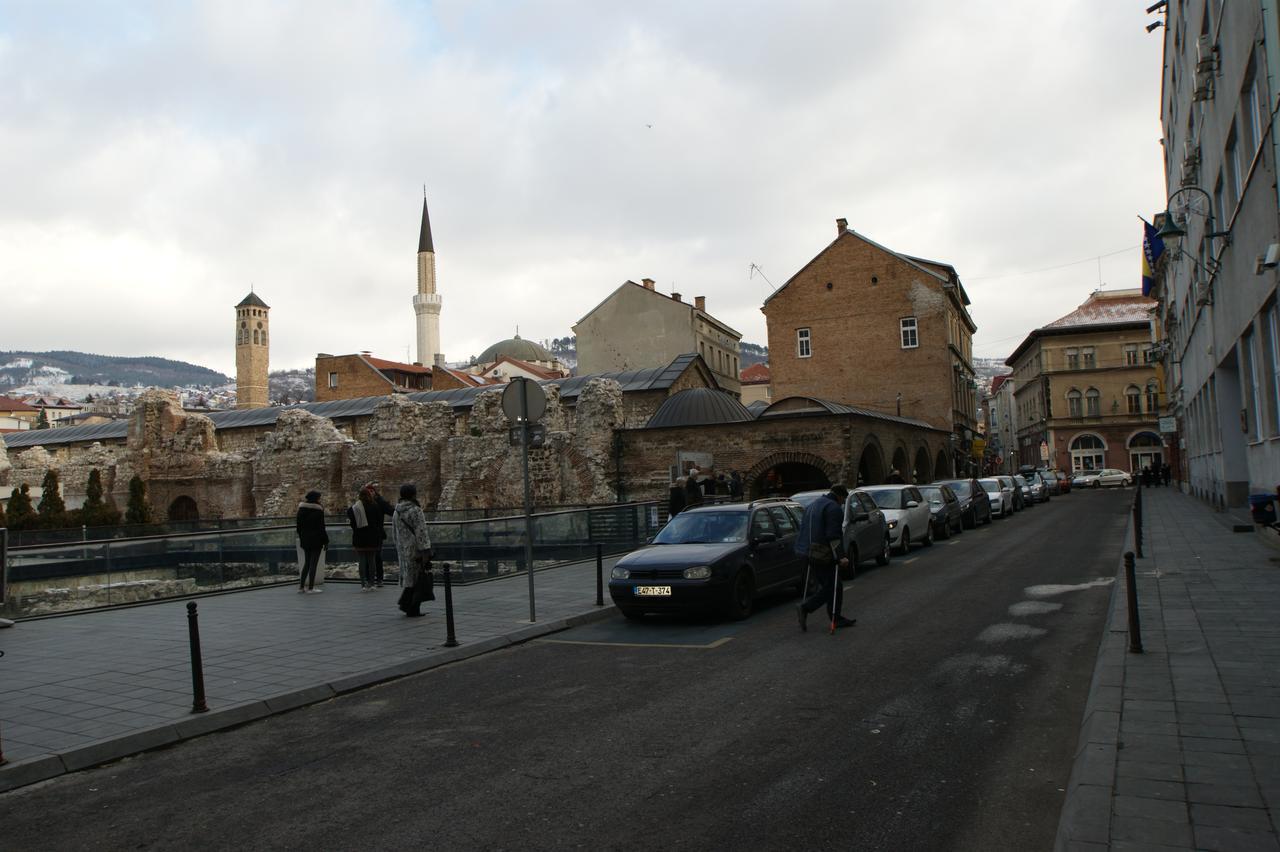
(524,402)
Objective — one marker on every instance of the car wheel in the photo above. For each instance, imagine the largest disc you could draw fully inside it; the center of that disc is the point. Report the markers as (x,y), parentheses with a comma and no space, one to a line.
(928,536)
(741,595)
(969,520)
(883,557)
(904,542)
(960,524)
(631,614)
(944,530)
(1097,483)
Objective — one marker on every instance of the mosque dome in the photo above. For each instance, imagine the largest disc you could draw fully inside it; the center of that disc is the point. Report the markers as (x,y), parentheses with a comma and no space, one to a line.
(521,350)
(699,407)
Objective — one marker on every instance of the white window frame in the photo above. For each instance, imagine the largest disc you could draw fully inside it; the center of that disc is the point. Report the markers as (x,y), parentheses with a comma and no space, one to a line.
(909,332)
(804,343)
(333,380)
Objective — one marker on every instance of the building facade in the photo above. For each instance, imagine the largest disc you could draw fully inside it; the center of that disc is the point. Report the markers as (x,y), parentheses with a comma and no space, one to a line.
(1218,322)
(1001,426)
(865,325)
(427,302)
(638,327)
(1087,394)
(755,384)
(252,353)
(361,375)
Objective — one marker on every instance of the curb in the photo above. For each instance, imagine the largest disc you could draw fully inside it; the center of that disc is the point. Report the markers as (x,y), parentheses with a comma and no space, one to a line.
(1085,820)
(43,767)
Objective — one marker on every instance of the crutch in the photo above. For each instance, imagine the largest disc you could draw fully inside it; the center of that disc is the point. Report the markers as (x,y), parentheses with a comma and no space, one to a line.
(835,590)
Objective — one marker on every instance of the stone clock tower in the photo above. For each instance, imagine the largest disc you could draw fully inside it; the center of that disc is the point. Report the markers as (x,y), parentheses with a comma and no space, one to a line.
(252,325)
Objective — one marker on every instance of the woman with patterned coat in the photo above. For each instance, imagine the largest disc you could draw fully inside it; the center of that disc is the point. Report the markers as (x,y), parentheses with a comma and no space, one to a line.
(413,549)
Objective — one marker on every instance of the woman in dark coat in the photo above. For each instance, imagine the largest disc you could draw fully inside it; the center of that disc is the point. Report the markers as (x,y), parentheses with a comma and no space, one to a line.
(312,537)
(676,500)
(366,537)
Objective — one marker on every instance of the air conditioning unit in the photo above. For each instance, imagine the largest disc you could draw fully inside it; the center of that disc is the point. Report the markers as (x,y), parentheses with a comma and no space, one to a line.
(1204,293)
(1206,55)
(1203,90)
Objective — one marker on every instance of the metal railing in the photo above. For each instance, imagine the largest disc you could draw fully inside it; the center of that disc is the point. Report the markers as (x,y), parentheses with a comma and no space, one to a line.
(70,576)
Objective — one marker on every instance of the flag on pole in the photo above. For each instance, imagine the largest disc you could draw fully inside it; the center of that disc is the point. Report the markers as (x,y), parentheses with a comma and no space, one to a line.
(1152,248)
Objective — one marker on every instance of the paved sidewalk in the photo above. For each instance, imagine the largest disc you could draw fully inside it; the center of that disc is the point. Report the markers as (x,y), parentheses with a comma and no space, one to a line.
(1180,747)
(82,689)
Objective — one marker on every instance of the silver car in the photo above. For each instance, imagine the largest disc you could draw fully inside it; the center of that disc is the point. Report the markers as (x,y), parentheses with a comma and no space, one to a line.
(866,530)
(907,512)
(999,494)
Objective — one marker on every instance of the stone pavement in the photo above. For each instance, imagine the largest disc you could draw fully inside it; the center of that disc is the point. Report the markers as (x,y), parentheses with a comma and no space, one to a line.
(1180,747)
(81,689)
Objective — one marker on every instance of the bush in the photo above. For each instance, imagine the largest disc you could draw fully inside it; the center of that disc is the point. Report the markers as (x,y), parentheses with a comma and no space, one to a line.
(52,511)
(96,512)
(21,515)
(138,511)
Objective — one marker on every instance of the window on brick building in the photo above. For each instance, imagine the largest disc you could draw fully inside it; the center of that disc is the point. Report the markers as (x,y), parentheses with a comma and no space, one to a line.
(1089,361)
(1131,355)
(1073,359)
(803,343)
(1153,396)
(1093,402)
(1074,403)
(333,380)
(1133,398)
(910,332)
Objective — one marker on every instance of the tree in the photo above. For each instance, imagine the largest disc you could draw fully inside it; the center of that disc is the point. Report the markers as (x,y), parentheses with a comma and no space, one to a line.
(138,511)
(42,421)
(52,511)
(96,512)
(21,515)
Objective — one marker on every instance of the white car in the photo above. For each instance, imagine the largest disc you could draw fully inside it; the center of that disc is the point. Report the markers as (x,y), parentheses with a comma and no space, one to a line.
(906,511)
(1099,478)
(1000,495)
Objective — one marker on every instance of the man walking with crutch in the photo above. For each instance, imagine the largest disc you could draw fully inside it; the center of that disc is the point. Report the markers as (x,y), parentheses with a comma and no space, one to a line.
(820,541)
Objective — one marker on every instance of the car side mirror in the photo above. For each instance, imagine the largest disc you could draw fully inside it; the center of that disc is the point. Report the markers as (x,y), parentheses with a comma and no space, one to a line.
(764,538)
(911,504)
(649,539)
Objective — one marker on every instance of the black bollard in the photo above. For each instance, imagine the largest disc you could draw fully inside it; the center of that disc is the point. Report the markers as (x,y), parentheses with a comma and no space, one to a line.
(1137,523)
(451,641)
(197,667)
(1131,593)
(2,759)
(599,575)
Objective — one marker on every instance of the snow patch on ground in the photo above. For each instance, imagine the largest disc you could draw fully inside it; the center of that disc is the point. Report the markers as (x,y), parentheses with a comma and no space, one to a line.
(997,633)
(1024,608)
(991,664)
(1048,591)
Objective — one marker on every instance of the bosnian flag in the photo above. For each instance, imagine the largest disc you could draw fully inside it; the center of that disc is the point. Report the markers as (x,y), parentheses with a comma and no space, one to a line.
(1152,248)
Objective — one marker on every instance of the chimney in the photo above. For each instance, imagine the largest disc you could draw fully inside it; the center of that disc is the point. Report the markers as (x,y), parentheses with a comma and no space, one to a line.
(842,225)
(439,362)
(675,296)
(700,302)
(648,283)
(417,363)
(365,352)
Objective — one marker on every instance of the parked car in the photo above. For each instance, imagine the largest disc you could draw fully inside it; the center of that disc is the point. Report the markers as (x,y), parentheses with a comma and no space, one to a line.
(999,496)
(1099,478)
(1039,490)
(718,557)
(906,511)
(805,498)
(1050,481)
(866,531)
(974,507)
(1064,482)
(944,510)
(1028,497)
(1018,500)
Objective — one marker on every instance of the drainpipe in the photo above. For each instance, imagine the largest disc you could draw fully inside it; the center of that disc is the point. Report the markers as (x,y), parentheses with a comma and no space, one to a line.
(1271,48)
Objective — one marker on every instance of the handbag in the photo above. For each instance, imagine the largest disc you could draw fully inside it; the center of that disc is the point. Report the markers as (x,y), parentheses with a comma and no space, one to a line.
(424,589)
(820,555)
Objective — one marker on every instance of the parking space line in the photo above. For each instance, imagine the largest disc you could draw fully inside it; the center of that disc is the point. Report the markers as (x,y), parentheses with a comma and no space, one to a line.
(952,543)
(909,561)
(715,644)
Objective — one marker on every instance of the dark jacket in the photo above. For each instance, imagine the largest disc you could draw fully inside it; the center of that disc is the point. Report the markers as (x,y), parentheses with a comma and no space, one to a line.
(378,511)
(821,522)
(676,502)
(370,536)
(735,487)
(310,526)
(692,493)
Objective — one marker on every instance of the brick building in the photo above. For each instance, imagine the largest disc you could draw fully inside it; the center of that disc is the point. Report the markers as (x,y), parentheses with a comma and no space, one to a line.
(1086,387)
(865,325)
(638,327)
(361,375)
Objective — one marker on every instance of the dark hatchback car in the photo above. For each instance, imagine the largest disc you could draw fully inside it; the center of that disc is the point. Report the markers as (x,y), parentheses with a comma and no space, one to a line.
(712,559)
(975,507)
(944,510)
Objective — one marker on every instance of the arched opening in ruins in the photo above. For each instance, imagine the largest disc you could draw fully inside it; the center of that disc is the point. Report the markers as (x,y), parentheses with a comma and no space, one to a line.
(941,470)
(787,478)
(923,469)
(900,465)
(184,509)
(871,466)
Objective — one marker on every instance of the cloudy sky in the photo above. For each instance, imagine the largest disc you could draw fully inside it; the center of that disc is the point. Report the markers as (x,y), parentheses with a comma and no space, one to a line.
(160,158)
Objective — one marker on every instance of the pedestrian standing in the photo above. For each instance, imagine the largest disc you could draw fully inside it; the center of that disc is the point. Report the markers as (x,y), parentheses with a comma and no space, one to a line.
(379,511)
(364,536)
(1166,473)
(735,486)
(413,549)
(692,492)
(313,539)
(676,500)
(820,541)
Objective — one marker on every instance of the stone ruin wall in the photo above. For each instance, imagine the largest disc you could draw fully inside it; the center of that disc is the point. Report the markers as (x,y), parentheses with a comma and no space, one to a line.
(456,462)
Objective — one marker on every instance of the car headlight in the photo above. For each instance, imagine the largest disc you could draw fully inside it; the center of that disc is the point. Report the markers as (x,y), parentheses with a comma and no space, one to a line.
(620,573)
(893,525)
(697,572)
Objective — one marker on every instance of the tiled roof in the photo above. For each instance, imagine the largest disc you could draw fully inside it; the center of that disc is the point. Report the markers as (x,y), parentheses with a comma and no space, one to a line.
(1106,308)
(755,374)
(533,369)
(825,406)
(998,381)
(383,364)
(10,404)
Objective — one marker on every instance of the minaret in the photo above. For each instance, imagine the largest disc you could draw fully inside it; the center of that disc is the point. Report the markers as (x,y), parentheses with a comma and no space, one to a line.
(426,304)
(252,324)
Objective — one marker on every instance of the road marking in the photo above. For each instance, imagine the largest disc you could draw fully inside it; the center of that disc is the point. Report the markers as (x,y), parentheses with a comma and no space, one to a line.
(909,561)
(715,644)
(952,543)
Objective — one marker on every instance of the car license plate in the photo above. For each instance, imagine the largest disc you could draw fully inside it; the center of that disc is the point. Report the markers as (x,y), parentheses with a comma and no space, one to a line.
(653,591)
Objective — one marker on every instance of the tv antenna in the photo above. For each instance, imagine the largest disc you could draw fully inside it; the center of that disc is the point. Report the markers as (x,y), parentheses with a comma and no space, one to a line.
(751,273)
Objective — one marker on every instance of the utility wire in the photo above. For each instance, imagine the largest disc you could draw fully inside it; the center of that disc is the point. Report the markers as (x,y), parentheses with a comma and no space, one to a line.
(1097,257)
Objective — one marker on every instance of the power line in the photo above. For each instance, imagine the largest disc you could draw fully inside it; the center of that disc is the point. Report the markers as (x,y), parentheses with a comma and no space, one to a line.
(1096,257)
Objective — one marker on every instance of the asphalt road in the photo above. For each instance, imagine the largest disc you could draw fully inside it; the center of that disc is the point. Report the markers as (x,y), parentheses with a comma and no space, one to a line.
(946,719)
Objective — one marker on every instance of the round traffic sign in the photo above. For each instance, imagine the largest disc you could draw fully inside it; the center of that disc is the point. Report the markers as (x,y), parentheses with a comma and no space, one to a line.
(524,400)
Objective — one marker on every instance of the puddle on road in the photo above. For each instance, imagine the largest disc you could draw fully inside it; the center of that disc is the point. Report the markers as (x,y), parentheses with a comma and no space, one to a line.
(1052,589)
(1023,608)
(1010,632)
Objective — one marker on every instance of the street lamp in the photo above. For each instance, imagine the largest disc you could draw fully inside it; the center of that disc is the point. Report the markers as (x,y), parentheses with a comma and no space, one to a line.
(1172,230)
